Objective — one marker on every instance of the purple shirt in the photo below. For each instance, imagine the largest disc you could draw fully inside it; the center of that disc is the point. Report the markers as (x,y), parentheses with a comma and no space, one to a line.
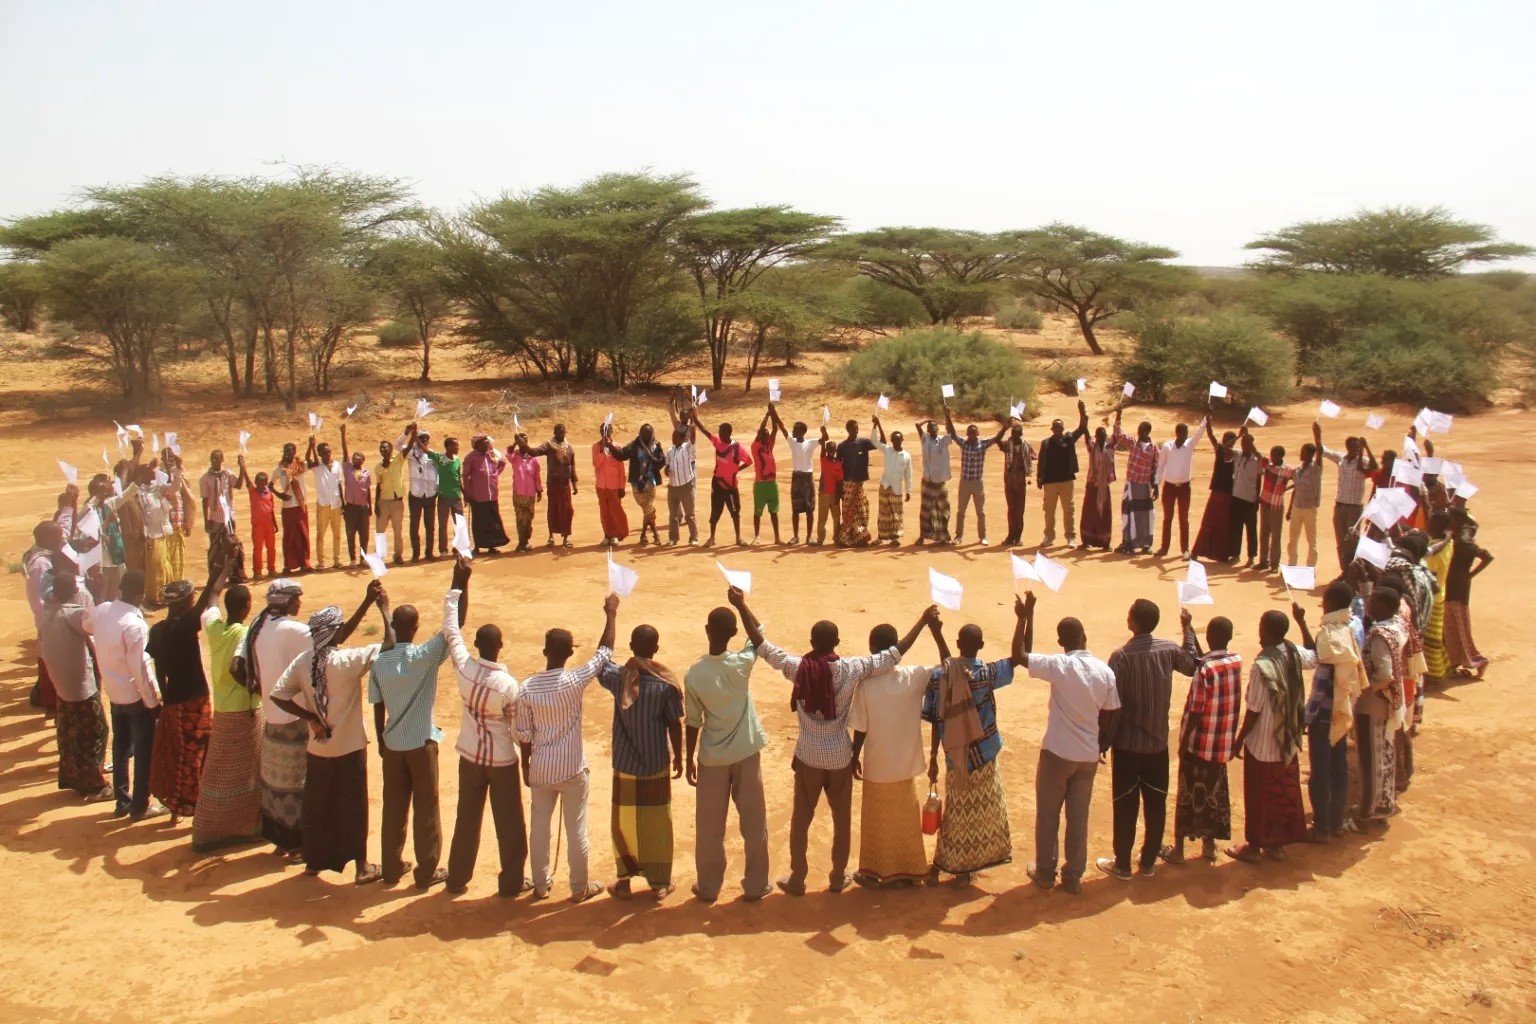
(482,477)
(356,486)
(525,475)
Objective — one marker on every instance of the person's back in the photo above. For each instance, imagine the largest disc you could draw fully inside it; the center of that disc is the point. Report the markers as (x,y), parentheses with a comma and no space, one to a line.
(280,640)
(1143,671)
(719,704)
(1081,687)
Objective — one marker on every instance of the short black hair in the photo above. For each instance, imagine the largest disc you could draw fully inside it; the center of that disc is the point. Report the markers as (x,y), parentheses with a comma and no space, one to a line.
(1145,614)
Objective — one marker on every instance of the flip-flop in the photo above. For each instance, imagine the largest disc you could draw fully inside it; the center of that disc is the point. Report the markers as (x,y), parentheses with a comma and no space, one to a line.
(620,893)
(660,894)
(593,889)
(371,873)
(1244,854)
(1171,855)
(405,869)
(438,878)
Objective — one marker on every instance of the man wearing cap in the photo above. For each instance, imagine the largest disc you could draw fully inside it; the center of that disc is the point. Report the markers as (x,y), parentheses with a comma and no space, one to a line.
(422,469)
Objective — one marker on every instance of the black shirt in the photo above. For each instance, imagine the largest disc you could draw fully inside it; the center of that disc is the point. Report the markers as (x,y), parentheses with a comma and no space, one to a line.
(854,454)
(1458,577)
(178,661)
(1058,457)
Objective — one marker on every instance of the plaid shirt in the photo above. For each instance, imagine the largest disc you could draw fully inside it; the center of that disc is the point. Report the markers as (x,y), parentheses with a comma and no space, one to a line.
(1141,465)
(174,499)
(823,743)
(1213,710)
(1352,472)
(1275,479)
(973,456)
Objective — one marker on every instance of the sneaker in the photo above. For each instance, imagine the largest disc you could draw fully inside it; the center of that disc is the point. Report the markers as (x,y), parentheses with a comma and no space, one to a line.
(984,542)
(1107,865)
(1148,870)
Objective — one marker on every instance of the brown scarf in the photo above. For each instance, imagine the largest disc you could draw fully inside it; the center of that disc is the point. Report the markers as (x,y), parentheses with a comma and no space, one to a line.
(957,710)
(629,677)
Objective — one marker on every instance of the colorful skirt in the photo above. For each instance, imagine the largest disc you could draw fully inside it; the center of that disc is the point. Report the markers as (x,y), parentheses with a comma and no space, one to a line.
(1460,649)
(610,509)
(973,835)
(802,493)
(1272,809)
(889,521)
(560,511)
(181,745)
(853,524)
(1136,516)
(229,804)
(645,500)
(642,827)
(1377,751)
(81,729)
(522,511)
(1096,524)
(1203,809)
(284,751)
(891,832)
(1435,659)
(1214,541)
(933,514)
(335,818)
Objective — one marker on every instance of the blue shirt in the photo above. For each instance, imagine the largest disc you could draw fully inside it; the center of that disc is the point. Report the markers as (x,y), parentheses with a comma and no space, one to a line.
(404,680)
(986,676)
(640,731)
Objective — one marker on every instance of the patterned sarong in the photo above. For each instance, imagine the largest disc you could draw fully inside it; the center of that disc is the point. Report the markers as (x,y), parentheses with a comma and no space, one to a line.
(1378,766)
(891,832)
(642,827)
(229,802)
(81,729)
(933,514)
(522,510)
(645,498)
(1460,649)
(890,515)
(1136,516)
(1272,809)
(1204,806)
(974,833)
(176,763)
(284,750)
(853,525)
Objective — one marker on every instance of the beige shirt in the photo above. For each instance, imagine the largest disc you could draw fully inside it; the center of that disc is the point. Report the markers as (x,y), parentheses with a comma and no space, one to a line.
(888,708)
(346,675)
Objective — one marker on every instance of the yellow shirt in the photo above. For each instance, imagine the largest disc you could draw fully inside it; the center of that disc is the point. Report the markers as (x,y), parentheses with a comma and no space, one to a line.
(391,479)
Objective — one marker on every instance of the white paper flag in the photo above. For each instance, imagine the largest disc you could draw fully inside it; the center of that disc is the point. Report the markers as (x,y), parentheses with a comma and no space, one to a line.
(738,578)
(1410,448)
(1052,574)
(1440,422)
(1195,574)
(621,579)
(314,422)
(245,435)
(1329,409)
(774,394)
(154,444)
(380,546)
(161,478)
(90,524)
(608,420)
(122,434)
(1400,500)
(703,398)
(70,553)
(945,590)
(947,391)
(1128,390)
(1082,384)
(826,414)
(1430,466)
(882,403)
(1023,570)
(424,408)
(135,430)
(517,424)
(1375,422)
(170,441)
(229,513)
(350,410)
(1258,416)
(1452,474)
(1016,411)
(693,391)
(104,460)
(1466,489)
(461,542)
(1217,390)
(375,564)
(1193,593)
(1407,474)
(1299,577)
(89,560)
(71,474)
(1374,551)
(1381,512)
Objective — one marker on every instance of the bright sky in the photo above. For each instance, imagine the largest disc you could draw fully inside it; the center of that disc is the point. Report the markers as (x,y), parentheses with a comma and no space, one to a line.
(1193,124)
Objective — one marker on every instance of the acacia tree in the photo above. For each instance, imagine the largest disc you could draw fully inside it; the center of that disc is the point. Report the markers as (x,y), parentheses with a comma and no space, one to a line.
(410,270)
(1398,241)
(939,266)
(21,295)
(1094,276)
(727,251)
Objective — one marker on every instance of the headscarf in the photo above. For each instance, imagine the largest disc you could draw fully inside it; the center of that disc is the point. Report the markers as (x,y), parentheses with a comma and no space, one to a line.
(323,627)
(813,685)
(1280,669)
(279,593)
(173,592)
(629,678)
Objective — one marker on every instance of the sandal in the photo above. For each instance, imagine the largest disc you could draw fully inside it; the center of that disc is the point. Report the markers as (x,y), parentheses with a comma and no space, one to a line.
(405,869)
(593,889)
(371,873)
(438,878)
(1244,853)
(660,894)
(1171,855)
(620,890)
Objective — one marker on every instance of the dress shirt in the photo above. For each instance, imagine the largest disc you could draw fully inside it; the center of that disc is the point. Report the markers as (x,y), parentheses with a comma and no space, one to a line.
(680,468)
(121,637)
(549,719)
(973,456)
(358,485)
(278,643)
(404,680)
(1176,462)
(717,702)
(328,484)
(345,668)
(213,486)
(824,743)
(423,473)
(489,693)
(887,709)
(1272,490)
(1213,708)
(640,731)
(1144,670)
(896,472)
(802,454)
(1307,486)
(936,466)
(1351,489)
(1081,687)
(391,479)
(482,476)
(526,479)
(64,645)
(1262,743)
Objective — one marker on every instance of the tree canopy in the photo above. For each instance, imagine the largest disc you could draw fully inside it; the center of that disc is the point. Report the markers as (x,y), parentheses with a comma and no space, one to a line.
(1397,241)
(939,266)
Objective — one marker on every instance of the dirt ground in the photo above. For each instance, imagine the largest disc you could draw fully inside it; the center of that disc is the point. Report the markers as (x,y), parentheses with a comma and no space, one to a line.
(116,922)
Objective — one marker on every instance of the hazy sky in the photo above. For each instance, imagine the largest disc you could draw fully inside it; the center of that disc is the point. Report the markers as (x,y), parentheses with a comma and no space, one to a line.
(1197,125)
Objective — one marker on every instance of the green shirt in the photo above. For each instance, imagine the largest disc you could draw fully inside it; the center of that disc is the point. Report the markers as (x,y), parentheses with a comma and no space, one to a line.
(223,639)
(719,704)
(448,484)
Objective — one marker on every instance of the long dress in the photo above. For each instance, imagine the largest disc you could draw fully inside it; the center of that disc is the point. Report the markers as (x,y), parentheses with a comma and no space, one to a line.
(1097,520)
(1214,541)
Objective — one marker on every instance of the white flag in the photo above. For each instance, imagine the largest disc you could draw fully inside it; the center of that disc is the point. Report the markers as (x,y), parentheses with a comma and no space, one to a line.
(1381,511)
(71,474)
(314,422)
(375,564)
(1023,570)
(1128,390)
(882,403)
(1082,384)
(1410,448)
(693,391)
(738,578)
(135,430)
(1299,577)
(1466,489)
(122,434)
(608,420)
(1374,551)
(1452,474)
(947,391)
(104,460)
(1375,422)
(424,408)
(703,398)
(1407,474)
(517,424)
(774,394)
(1430,465)
(90,524)
(1329,409)
(224,507)
(245,435)
(1052,574)
(1016,411)
(1218,390)
(461,542)
(170,441)
(1193,593)
(1195,574)
(946,591)
(380,546)
(154,444)
(1400,500)
(1440,422)
(1258,416)
(350,410)
(1422,421)
(826,414)
(621,579)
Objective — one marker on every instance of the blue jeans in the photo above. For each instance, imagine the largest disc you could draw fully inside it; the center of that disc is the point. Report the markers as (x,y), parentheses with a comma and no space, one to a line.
(1328,785)
(133,734)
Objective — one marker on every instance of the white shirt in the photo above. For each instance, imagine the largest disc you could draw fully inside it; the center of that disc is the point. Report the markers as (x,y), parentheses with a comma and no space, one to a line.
(345,670)
(1176,465)
(1260,743)
(887,709)
(549,719)
(127,674)
(897,474)
(680,469)
(280,641)
(328,484)
(936,468)
(802,454)
(290,481)
(489,693)
(423,473)
(1081,687)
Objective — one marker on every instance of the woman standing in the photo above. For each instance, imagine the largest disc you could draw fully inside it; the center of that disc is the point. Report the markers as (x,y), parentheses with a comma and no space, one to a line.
(1438,562)
(1097,522)
(1214,541)
(1460,649)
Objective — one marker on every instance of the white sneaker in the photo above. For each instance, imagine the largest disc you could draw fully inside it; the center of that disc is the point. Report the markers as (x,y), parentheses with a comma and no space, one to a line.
(985,543)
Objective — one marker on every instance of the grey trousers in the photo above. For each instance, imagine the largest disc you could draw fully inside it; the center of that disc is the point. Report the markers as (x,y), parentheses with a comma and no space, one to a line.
(720,786)
(572,795)
(972,490)
(680,511)
(810,783)
(1058,783)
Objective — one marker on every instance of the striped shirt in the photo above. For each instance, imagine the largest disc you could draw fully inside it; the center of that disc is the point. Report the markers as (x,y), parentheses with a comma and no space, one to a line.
(1214,707)
(640,731)
(973,457)
(680,465)
(1307,488)
(1352,471)
(549,720)
(489,694)
(1143,671)
(1276,479)
(404,680)
(823,743)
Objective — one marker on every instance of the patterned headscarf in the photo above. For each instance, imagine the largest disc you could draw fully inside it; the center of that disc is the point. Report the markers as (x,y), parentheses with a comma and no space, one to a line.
(323,627)
(279,593)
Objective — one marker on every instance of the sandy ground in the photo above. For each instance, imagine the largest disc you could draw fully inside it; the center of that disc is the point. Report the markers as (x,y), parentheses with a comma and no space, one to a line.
(1428,922)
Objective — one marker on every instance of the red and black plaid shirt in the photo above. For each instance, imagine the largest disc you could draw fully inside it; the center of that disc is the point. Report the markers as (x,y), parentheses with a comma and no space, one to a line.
(1141,464)
(1213,709)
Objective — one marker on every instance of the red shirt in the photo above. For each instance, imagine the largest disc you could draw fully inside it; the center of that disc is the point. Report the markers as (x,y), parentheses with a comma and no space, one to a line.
(762,458)
(261,509)
(728,459)
(831,475)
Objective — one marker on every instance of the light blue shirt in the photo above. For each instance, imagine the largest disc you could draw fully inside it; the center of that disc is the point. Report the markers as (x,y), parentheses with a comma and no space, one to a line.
(404,680)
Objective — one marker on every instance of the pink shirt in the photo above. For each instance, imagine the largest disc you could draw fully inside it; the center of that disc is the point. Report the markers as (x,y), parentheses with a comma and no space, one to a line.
(527,478)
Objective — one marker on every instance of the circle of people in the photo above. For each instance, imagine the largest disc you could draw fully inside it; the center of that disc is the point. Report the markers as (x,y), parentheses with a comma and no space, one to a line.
(269,744)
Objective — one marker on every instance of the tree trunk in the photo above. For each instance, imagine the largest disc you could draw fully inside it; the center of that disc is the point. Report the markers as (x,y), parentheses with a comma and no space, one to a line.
(1085,325)
(426,359)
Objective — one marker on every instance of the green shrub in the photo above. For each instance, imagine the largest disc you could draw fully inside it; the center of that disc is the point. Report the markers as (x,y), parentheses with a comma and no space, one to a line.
(1019,317)
(880,305)
(1176,358)
(399,334)
(915,364)
(662,335)
(1410,361)
(1063,375)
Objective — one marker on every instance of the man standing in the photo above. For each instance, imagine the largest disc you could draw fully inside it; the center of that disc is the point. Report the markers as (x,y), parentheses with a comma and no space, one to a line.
(1247,480)
(802,483)
(64,645)
(609,480)
(1207,741)
(1175,470)
(645,460)
(1140,486)
(765,485)
(823,762)
(560,476)
(274,641)
(287,482)
(1018,463)
(933,510)
(218,523)
(129,680)
(1082,705)
(402,687)
(1306,496)
(450,490)
(37,563)
(1143,670)
(356,494)
(681,487)
(722,726)
(853,454)
(973,464)
(527,489)
(724,494)
(390,487)
(1329,714)
(328,499)
(1057,476)
(488,763)
(421,468)
(1354,464)
(554,760)
(895,485)
(483,467)
(1276,479)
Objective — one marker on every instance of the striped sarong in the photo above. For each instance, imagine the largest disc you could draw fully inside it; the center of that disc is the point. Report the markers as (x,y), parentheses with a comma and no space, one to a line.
(81,729)
(853,524)
(1136,516)
(974,833)
(229,803)
(889,520)
(891,832)
(933,515)
(284,750)
(176,762)
(642,827)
